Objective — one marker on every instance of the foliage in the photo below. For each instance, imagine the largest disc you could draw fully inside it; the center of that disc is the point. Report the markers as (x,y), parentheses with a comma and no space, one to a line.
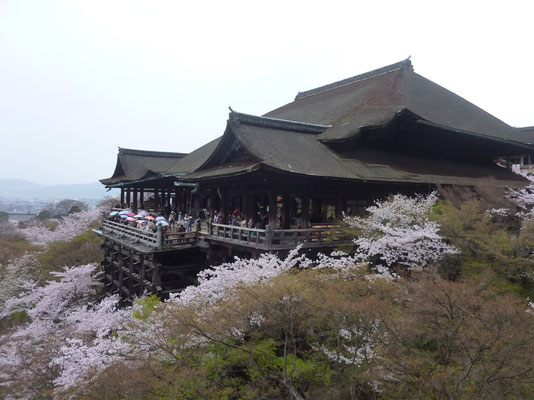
(45,214)
(83,249)
(501,243)
(458,340)
(69,206)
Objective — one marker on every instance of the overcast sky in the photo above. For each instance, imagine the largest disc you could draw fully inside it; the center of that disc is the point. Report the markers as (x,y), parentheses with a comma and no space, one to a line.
(80,78)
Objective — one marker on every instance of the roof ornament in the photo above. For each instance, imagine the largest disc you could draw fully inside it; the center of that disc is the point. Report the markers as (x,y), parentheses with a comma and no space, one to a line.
(233,116)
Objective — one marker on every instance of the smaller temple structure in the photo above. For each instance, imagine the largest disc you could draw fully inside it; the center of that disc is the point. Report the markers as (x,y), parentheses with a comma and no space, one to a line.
(292,173)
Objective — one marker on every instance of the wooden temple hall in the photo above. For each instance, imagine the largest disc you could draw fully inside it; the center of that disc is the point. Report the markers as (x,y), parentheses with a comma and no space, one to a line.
(293,172)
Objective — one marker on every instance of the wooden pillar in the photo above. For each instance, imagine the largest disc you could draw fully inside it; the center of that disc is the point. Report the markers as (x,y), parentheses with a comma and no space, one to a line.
(135,199)
(286,216)
(163,202)
(122,196)
(142,198)
(142,273)
(246,203)
(305,216)
(273,219)
(128,197)
(120,265)
(130,272)
(223,211)
(156,199)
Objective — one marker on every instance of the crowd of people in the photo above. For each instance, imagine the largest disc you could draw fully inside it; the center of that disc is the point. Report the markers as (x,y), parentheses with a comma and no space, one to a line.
(172,220)
(238,219)
(150,221)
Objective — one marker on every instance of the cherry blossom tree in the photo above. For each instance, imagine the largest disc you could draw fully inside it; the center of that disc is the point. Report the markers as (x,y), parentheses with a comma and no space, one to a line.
(399,232)
(68,227)
(34,354)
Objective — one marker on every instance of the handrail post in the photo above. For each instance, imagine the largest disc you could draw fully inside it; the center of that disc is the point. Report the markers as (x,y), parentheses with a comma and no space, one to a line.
(159,238)
(102,218)
(268,236)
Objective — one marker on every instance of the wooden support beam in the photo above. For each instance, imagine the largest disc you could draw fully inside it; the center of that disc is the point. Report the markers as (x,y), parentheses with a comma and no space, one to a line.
(130,271)
(120,265)
(142,273)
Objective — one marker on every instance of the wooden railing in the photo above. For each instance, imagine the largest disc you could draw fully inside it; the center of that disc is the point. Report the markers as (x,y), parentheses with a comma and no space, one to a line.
(156,240)
(264,239)
(279,238)
(245,236)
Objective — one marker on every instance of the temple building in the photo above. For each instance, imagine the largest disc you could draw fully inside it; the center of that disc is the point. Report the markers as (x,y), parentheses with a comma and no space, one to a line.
(295,170)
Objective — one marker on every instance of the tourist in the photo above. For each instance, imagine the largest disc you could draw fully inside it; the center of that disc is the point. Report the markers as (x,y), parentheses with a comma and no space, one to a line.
(172,221)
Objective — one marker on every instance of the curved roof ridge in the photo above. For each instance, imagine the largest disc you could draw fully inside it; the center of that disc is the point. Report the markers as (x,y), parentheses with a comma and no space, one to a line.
(150,153)
(366,75)
(276,123)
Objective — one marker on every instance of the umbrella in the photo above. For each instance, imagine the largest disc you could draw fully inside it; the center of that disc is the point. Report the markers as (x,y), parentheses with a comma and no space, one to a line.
(123,216)
(161,219)
(139,216)
(163,223)
(113,213)
(124,212)
(150,217)
(143,213)
(131,214)
(130,219)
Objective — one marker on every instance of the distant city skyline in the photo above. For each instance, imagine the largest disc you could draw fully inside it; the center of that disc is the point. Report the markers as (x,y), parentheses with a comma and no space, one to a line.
(79,79)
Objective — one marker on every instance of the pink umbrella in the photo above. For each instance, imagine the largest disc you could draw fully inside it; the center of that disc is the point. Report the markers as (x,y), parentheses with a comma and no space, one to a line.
(130,219)
(131,214)
(150,217)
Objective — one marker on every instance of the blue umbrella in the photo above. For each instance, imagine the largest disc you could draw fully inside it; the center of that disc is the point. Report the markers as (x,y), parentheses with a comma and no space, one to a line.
(161,219)
(123,216)
(113,213)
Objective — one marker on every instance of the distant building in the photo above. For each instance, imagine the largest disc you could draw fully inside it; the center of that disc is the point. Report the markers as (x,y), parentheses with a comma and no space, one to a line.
(521,162)
(21,217)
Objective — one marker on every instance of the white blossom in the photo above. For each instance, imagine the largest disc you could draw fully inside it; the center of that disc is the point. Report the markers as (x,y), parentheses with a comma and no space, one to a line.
(399,232)
(67,227)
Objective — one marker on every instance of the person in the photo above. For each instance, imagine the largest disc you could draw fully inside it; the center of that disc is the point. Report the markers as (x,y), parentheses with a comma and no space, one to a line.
(180,216)
(242,222)
(250,224)
(172,217)
(189,222)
